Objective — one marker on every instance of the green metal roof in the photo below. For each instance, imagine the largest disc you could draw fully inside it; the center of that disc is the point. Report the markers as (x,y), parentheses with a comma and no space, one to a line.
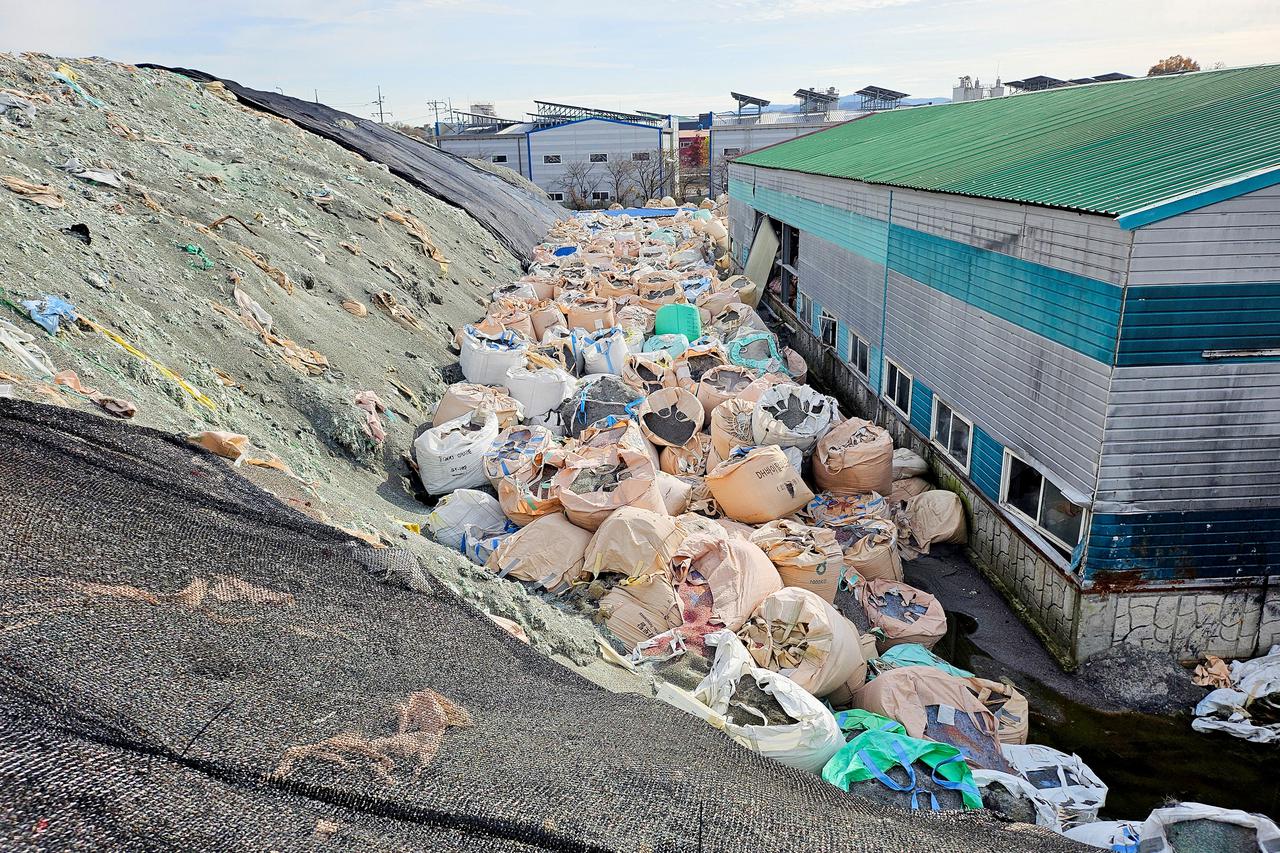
(1111,148)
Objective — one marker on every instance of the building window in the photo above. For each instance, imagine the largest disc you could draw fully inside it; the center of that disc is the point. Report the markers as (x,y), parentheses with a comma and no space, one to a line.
(499,158)
(732,152)
(599,158)
(600,196)
(550,158)
(827,327)
(953,433)
(1038,500)
(556,196)
(804,308)
(685,143)
(859,354)
(897,387)
(642,156)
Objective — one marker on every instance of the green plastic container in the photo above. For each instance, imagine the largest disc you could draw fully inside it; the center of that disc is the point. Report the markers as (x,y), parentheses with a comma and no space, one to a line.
(678,320)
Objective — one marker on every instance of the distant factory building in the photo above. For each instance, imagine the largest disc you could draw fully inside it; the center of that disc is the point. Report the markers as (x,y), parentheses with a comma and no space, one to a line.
(582,157)
(1069,301)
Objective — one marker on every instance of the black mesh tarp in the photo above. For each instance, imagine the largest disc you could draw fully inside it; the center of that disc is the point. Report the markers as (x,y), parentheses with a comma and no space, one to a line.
(168,632)
(516,217)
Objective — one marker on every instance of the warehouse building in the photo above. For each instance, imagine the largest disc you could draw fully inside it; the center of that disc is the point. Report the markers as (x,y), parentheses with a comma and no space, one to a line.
(582,157)
(1069,301)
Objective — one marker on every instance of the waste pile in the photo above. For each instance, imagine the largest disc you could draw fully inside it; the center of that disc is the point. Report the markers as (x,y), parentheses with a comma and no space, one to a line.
(1245,701)
(630,439)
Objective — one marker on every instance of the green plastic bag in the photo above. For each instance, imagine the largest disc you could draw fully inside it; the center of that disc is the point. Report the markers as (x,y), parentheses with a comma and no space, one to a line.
(913,654)
(855,721)
(874,752)
(678,319)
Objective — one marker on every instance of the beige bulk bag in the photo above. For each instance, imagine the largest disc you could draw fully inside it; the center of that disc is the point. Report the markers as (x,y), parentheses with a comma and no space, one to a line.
(904,490)
(907,693)
(795,633)
(1007,705)
(757,484)
(908,463)
(712,303)
(731,426)
(592,313)
(641,607)
(463,398)
(805,557)
(753,392)
(736,573)
(623,432)
(700,498)
(796,365)
(592,487)
(526,499)
(696,361)
(853,457)
(871,551)
(646,372)
(723,383)
(688,460)
(670,417)
(615,288)
(543,288)
(676,493)
(936,516)
(548,552)
(792,416)
(657,289)
(633,542)
(905,614)
(545,316)
(517,453)
(515,320)
(637,321)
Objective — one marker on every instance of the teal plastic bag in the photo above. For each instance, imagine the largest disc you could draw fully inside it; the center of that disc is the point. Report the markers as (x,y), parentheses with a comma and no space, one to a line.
(855,721)
(913,654)
(757,351)
(673,344)
(873,753)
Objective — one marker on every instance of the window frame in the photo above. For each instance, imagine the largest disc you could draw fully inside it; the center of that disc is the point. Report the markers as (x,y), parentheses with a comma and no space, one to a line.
(856,340)
(598,158)
(803,300)
(825,317)
(552,160)
(1006,472)
(600,195)
(888,398)
(555,196)
(731,151)
(946,450)
(641,156)
(499,158)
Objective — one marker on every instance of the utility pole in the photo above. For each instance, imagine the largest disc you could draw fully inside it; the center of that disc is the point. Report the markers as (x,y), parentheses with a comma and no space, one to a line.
(381,116)
(435,104)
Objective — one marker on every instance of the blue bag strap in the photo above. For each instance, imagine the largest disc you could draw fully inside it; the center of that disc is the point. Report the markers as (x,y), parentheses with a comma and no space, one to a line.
(946,784)
(905,760)
(884,779)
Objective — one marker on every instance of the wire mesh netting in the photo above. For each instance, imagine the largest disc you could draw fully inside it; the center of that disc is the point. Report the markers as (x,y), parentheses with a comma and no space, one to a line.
(186,663)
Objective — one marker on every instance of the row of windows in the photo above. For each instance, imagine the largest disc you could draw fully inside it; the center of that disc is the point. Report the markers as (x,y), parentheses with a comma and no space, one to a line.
(595,196)
(1023,489)
(550,159)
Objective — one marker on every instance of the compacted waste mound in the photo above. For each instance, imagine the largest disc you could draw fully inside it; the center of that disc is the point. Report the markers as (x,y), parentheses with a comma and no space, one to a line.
(187,663)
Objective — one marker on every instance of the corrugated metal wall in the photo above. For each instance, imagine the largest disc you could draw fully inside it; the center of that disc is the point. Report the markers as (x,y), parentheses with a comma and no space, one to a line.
(577,141)
(485,147)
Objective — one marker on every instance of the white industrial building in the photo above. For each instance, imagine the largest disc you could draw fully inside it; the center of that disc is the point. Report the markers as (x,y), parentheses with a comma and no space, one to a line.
(578,155)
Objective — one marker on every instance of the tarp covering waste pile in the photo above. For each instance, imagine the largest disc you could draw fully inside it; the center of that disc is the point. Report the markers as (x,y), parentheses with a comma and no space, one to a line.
(185,663)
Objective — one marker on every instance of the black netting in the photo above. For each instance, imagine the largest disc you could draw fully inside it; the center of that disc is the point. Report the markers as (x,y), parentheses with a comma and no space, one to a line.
(168,632)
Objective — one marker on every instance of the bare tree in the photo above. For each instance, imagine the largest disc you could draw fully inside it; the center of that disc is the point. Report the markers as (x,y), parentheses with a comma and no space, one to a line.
(621,180)
(1175,64)
(579,181)
(654,176)
(720,182)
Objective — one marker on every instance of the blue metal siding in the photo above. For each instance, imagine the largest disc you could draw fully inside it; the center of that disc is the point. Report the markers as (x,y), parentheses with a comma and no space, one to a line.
(1183,545)
(921,406)
(855,232)
(987,463)
(815,318)
(1174,324)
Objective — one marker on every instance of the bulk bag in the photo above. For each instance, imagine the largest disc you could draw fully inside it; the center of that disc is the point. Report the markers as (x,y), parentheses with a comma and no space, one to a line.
(671,345)
(515,320)
(687,460)
(594,399)
(605,351)
(834,511)
(935,775)
(678,320)
(908,463)
(641,607)
(455,511)
(541,391)
(795,633)
(905,489)
(805,557)
(722,383)
(757,351)
(932,704)
(735,320)
(657,290)
(731,426)
(691,365)
(736,573)
(807,742)
(1186,827)
(757,484)
(616,432)
(545,316)
(636,321)
(904,613)
(485,359)
(763,383)
(795,366)
(646,372)
(670,417)
(1015,799)
(451,456)
(676,493)
(520,291)
(590,313)
(517,453)
(592,487)
(528,498)
(633,542)
(1063,780)
(463,398)
(936,516)
(1006,704)
(479,542)
(854,457)
(871,549)
(792,416)
(548,552)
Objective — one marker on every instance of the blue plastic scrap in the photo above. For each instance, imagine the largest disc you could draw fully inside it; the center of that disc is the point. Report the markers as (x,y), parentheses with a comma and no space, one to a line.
(47,312)
(564,250)
(75,87)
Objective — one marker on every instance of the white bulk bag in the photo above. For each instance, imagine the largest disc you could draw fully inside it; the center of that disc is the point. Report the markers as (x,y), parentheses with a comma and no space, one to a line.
(818,410)
(1155,837)
(485,359)
(1107,834)
(451,456)
(605,351)
(1063,780)
(454,512)
(908,463)
(806,744)
(541,391)
(479,542)
(1046,815)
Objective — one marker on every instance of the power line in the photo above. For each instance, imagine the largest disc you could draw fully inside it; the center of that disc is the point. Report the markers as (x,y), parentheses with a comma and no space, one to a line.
(382,115)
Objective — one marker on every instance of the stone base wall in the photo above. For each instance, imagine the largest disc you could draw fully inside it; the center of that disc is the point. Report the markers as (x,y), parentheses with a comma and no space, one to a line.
(1074,622)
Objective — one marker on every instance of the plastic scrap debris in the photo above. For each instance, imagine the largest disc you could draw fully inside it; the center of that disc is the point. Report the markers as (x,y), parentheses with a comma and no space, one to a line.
(165,371)
(368,402)
(99,176)
(256,319)
(49,311)
(67,76)
(119,407)
(419,232)
(1250,707)
(24,348)
(41,194)
(200,260)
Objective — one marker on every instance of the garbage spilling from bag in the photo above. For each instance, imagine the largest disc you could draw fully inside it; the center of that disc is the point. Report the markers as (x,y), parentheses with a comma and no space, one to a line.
(1249,706)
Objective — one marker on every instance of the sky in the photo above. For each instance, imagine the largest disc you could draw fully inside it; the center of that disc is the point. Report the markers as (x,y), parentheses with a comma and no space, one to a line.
(679,56)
